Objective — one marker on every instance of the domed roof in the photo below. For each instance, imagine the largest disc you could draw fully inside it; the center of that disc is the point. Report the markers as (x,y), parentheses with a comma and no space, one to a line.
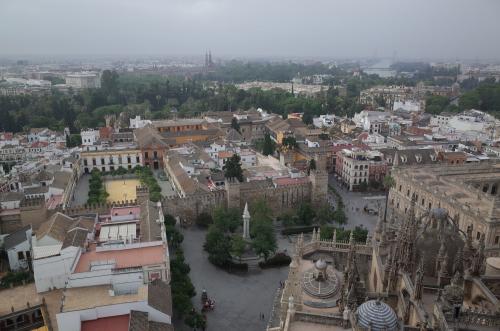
(320,264)
(377,315)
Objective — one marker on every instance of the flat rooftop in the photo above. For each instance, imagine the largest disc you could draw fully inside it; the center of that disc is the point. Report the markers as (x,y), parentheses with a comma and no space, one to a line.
(79,298)
(19,296)
(123,258)
(461,184)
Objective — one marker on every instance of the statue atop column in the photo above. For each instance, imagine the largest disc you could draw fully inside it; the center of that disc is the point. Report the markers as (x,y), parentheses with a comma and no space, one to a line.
(246,223)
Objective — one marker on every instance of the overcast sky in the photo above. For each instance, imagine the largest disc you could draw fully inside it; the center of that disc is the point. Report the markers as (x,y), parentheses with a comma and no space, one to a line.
(328,28)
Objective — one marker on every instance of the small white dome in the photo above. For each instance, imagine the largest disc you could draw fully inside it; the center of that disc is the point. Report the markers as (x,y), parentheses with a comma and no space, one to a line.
(320,264)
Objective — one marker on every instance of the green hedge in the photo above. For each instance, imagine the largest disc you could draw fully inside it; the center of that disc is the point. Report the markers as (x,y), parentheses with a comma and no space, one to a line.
(298,229)
(278,260)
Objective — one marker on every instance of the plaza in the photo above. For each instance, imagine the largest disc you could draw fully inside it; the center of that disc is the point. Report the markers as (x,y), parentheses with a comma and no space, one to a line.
(239,299)
(121,189)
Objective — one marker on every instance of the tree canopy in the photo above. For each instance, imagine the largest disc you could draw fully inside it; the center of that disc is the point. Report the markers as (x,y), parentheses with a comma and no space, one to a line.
(232,168)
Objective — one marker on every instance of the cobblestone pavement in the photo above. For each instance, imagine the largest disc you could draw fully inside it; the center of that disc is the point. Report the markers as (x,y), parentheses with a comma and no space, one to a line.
(354,204)
(239,299)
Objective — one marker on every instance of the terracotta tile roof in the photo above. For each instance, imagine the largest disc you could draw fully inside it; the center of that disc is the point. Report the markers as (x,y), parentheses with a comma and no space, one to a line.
(61,179)
(150,229)
(148,137)
(112,323)
(75,237)
(105,133)
(122,211)
(160,296)
(56,227)
(225,154)
(124,258)
(15,238)
(44,175)
(138,321)
(233,135)
(59,226)
(157,326)
(290,181)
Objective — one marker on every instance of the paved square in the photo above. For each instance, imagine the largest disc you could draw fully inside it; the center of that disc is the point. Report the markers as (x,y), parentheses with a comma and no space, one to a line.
(239,299)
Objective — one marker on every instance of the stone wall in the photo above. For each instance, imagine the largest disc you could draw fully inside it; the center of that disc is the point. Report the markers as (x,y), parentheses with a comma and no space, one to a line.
(279,199)
(33,211)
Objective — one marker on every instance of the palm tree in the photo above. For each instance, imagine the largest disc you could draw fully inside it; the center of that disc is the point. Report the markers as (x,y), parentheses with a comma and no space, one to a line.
(388,183)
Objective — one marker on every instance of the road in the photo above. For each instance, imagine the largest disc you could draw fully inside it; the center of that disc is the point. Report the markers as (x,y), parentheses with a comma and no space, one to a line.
(354,204)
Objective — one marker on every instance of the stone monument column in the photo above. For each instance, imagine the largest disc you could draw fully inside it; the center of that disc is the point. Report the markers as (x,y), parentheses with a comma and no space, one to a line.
(246,223)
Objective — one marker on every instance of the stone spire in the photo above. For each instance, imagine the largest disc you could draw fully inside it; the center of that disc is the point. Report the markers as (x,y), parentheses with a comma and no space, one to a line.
(383,235)
(441,256)
(246,223)
(379,225)
(395,163)
(352,250)
(419,280)
(468,247)
(406,241)
(388,265)
(458,262)
(392,270)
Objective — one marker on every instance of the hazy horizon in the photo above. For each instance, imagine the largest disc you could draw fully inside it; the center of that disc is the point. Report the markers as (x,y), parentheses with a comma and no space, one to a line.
(442,29)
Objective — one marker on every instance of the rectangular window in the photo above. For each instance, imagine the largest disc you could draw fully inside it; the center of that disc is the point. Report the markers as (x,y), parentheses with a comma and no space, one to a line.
(137,159)
(155,154)
(497,238)
(129,160)
(94,162)
(478,235)
(146,155)
(20,255)
(85,162)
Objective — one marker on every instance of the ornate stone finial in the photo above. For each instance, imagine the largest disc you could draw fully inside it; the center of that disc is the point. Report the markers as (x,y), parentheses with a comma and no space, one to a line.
(318,235)
(378,226)
(478,258)
(334,235)
(313,239)
(351,238)
(419,278)
(457,279)
(458,263)
(443,270)
(383,235)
